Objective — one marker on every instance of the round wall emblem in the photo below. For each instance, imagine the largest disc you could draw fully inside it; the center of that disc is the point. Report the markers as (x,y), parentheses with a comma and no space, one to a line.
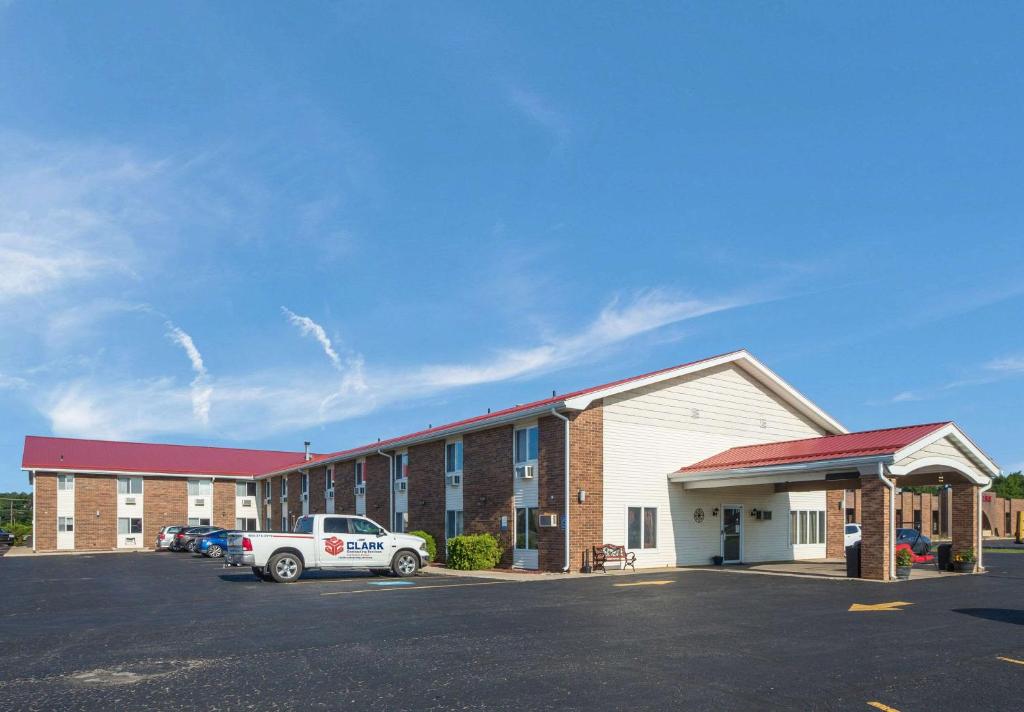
(698,515)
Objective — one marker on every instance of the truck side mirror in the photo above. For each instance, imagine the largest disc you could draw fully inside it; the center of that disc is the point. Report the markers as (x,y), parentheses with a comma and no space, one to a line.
(381,532)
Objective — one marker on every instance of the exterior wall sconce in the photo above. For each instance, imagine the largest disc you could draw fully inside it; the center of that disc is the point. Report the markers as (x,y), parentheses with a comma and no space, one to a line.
(714,512)
(582,496)
(753,513)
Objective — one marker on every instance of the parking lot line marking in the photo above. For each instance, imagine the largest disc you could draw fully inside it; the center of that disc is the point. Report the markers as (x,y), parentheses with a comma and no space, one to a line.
(1010,660)
(643,583)
(879,706)
(890,606)
(392,583)
(414,588)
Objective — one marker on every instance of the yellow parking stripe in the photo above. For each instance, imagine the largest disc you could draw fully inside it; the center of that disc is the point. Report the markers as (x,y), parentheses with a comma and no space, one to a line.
(1010,660)
(880,706)
(644,583)
(411,588)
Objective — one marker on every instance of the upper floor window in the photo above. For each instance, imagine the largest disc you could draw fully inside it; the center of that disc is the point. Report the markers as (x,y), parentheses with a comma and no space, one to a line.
(245,489)
(329,478)
(360,473)
(129,485)
(526,445)
(304,482)
(284,491)
(267,492)
(453,457)
(65,482)
(401,466)
(200,488)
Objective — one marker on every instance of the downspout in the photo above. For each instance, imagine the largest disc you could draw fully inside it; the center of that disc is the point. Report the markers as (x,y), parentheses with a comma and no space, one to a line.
(391,488)
(568,553)
(32,481)
(981,522)
(892,519)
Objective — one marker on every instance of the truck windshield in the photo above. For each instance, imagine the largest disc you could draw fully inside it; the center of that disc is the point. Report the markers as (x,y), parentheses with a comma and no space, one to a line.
(303,525)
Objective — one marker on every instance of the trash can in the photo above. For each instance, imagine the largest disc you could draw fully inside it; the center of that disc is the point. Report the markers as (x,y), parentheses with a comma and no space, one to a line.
(944,557)
(853,560)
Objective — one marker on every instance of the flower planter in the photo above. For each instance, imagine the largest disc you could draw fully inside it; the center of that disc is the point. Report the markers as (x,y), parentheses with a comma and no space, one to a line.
(903,572)
(717,560)
(963,567)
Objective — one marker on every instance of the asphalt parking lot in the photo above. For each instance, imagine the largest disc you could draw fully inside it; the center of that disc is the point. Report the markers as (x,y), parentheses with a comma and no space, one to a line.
(171,631)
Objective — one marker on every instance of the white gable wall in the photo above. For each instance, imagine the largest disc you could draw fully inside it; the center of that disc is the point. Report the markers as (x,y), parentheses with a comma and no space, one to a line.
(653,430)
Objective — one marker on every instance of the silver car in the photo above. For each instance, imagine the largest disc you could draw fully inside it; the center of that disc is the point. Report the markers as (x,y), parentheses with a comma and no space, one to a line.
(165,536)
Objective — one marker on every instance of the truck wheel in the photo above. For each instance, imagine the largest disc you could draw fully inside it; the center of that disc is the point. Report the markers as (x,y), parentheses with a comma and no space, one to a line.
(405,563)
(285,568)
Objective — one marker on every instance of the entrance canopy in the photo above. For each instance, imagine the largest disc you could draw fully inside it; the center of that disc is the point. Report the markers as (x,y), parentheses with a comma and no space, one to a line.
(936,453)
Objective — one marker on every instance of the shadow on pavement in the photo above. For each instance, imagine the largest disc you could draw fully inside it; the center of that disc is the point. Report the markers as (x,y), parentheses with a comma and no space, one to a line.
(1000,615)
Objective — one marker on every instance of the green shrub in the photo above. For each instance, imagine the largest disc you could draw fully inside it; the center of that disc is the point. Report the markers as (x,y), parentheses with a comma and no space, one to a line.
(904,558)
(964,557)
(20,531)
(473,551)
(431,544)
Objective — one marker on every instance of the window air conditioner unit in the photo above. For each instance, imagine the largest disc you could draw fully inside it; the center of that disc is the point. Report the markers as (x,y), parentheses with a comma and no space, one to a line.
(454,479)
(764,516)
(246,503)
(525,472)
(402,485)
(360,490)
(549,520)
(129,500)
(200,502)
(330,494)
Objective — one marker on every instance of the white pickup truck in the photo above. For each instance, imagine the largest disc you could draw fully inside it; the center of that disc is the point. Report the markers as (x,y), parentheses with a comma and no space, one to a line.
(326,541)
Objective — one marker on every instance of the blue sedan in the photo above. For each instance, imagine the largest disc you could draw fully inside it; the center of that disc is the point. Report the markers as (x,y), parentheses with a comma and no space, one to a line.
(213,544)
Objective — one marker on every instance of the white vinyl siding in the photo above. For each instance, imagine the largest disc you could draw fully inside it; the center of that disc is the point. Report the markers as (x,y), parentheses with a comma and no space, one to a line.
(130,506)
(944,448)
(525,446)
(654,430)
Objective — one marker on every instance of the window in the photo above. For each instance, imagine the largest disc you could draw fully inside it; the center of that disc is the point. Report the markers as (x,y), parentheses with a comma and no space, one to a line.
(453,457)
(1007,528)
(245,525)
(526,445)
(127,525)
(304,483)
(65,524)
(526,527)
(401,522)
(245,489)
(199,488)
(452,523)
(807,527)
(65,482)
(284,487)
(303,525)
(198,521)
(642,528)
(363,526)
(401,466)
(360,475)
(335,525)
(329,479)
(129,485)
(268,492)
(267,524)
(284,522)
(899,518)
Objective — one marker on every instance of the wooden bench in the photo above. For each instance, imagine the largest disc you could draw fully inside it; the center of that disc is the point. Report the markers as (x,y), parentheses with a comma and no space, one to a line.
(612,552)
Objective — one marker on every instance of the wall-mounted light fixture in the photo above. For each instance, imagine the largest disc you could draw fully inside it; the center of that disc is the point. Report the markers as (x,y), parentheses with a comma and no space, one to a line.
(753,513)
(714,512)
(582,496)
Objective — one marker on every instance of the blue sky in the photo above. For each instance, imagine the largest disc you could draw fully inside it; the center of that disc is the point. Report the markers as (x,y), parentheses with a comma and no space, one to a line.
(339,222)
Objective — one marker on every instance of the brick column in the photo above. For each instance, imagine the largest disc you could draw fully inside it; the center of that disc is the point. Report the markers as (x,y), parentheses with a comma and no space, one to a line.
(965,517)
(223,504)
(835,525)
(427,491)
(275,503)
(875,539)
(378,487)
(44,537)
(345,487)
(317,490)
(487,471)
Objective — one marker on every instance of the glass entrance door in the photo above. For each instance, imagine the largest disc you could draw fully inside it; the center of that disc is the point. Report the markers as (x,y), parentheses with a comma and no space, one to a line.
(732,534)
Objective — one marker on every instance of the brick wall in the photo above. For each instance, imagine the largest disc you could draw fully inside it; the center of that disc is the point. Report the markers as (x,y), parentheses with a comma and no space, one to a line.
(487,485)
(294,498)
(965,517)
(223,504)
(835,525)
(164,503)
(318,490)
(275,503)
(95,493)
(378,486)
(551,491)
(427,490)
(586,443)
(344,487)
(45,533)
(875,539)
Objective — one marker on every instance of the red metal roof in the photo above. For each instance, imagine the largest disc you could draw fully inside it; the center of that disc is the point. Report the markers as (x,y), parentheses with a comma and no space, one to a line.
(479,419)
(42,453)
(828,447)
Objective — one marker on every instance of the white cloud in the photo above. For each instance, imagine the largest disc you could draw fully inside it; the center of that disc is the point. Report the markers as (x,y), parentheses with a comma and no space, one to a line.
(540,111)
(1008,365)
(12,383)
(254,405)
(201,390)
(309,327)
(906,397)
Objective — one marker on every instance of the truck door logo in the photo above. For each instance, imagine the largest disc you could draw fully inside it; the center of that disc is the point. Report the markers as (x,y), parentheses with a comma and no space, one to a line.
(333,546)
